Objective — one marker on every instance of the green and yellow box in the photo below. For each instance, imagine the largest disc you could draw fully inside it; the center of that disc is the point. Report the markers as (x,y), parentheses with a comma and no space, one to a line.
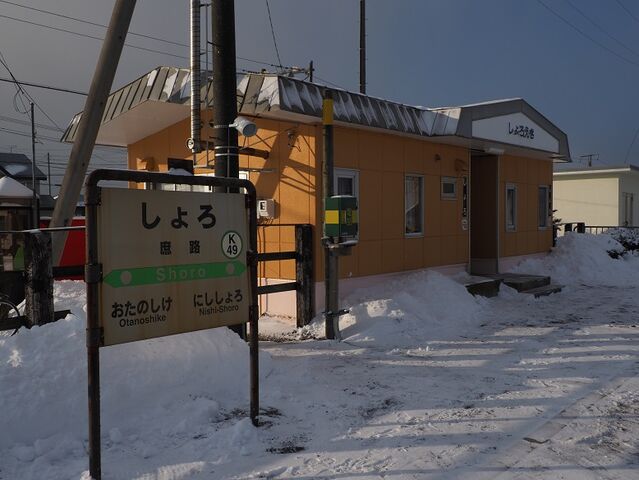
(341,218)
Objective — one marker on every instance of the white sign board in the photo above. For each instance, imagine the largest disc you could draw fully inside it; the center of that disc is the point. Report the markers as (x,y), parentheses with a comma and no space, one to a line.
(172,262)
(515,129)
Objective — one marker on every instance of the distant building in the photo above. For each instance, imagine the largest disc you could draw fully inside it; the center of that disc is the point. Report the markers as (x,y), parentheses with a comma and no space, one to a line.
(18,167)
(601,195)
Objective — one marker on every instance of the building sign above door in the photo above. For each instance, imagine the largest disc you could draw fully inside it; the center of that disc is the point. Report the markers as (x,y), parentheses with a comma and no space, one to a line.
(516,129)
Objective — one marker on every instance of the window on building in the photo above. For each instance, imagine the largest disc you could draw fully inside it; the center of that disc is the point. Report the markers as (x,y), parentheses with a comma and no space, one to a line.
(414,204)
(346,182)
(173,187)
(511,207)
(544,206)
(449,188)
(628,209)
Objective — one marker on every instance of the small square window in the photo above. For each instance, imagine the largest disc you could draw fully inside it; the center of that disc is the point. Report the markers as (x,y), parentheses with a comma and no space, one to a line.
(449,188)
(345,182)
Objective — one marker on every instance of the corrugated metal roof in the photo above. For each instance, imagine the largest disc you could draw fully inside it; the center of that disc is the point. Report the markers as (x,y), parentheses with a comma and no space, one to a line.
(262,93)
(278,96)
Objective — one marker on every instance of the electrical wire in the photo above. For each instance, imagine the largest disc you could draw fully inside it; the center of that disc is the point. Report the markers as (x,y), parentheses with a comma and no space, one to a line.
(270,19)
(137,47)
(85,35)
(584,34)
(632,15)
(75,19)
(329,83)
(634,138)
(601,29)
(24,122)
(46,87)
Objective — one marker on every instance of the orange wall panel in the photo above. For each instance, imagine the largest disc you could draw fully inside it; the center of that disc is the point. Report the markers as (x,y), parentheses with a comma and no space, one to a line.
(369,257)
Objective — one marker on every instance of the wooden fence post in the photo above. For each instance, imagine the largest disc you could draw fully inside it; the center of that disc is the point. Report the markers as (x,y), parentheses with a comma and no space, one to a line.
(38,274)
(304,275)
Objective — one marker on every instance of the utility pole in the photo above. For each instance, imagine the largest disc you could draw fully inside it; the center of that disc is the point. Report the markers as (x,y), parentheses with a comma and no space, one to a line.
(311,69)
(49,171)
(35,210)
(224,89)
(88,131)
(331,259)
(227,163)
(195,143)
(362,46)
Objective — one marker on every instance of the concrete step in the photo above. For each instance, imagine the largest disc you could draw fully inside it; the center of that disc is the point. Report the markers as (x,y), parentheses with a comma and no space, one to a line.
(543,290)
(521,282)
(486,287)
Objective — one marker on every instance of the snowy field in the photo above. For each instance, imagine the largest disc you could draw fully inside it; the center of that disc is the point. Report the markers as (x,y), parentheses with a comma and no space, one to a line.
(429,383)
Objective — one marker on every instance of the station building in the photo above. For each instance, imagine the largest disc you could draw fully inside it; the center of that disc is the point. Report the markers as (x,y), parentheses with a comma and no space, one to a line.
(465,188)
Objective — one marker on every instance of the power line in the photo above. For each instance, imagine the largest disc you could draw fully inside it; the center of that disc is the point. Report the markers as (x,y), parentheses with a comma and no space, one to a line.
(601,29)
(48,12)
(41,85)
(25,93)
(85,35)
(127,44)
(24,122)
(634,138)
(632,15)
(330,83)
(270,19)
(584,34)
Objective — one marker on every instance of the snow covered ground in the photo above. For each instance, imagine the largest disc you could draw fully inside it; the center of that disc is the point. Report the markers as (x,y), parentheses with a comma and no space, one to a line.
(429,383)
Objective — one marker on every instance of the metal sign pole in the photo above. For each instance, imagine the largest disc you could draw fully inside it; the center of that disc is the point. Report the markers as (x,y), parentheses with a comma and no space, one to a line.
(92,278)
(96,334)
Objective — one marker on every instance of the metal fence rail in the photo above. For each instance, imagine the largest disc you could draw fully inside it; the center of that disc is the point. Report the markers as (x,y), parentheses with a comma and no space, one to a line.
(581,227)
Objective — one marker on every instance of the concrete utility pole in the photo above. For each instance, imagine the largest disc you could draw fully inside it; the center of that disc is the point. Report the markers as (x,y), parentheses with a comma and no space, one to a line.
(90,122)
(49,171)
(224,89)
(362,46)
(35,210)
(227,162)
(195,80)
(331,259)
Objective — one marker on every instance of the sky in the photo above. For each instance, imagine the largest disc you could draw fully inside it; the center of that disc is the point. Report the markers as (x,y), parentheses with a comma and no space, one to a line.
(576,61)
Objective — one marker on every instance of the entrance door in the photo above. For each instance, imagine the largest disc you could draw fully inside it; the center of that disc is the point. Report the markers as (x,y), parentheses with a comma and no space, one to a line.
(484,214)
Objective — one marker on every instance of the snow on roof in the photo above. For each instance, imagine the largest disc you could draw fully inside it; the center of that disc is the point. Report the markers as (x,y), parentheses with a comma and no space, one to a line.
(10,188)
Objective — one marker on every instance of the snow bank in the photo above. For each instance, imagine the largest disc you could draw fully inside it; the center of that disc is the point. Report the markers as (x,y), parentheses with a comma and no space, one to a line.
(582,258)
(172,384)
(408,311)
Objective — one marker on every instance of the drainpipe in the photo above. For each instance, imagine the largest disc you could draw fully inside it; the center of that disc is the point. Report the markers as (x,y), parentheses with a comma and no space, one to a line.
(195,141)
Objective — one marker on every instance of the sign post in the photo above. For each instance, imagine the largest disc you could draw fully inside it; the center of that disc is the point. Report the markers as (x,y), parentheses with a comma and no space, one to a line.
(161,263)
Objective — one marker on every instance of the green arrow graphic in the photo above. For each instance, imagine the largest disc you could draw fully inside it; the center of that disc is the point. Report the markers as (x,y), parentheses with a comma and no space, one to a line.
(132,277)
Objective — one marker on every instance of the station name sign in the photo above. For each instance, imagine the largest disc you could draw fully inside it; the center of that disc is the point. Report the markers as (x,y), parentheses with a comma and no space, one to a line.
(515,129)
(172,262)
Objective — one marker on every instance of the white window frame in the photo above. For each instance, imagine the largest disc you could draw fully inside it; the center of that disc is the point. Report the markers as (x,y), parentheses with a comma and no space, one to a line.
(346,173)
(243,175)
(421,205)
(546,224)
(448,196)
(510,227)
